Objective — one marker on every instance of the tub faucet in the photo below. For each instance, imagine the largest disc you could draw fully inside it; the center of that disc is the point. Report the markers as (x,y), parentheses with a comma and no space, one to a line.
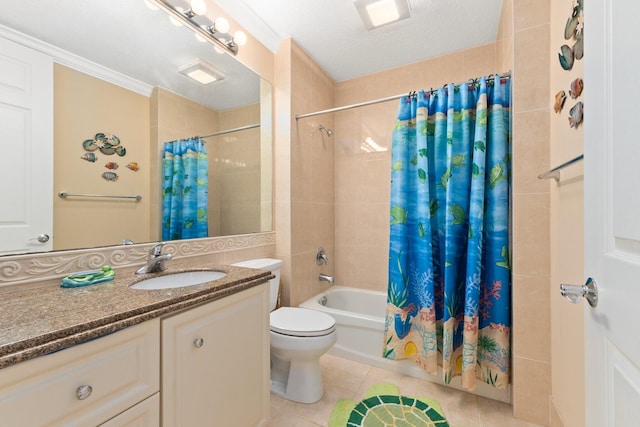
(321,257)
(155,260)
(326,278)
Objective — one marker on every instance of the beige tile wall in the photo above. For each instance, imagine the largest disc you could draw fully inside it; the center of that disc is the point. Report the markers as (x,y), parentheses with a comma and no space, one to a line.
(304,184)
(235,189)
(531,207)
(239,176)
(362,170)
(175,117)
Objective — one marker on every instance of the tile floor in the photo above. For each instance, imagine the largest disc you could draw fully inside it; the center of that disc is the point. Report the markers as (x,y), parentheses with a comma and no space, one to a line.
(348,379)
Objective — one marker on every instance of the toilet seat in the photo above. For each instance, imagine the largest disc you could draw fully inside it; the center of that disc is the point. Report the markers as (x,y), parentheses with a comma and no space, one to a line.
(301,322)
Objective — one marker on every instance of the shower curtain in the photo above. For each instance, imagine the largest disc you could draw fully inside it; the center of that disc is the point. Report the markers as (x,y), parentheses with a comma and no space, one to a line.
(449,283)
(184,189)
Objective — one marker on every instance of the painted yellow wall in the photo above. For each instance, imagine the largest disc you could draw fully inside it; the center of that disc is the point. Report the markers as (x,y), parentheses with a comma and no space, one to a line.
(84,106)
(567,404)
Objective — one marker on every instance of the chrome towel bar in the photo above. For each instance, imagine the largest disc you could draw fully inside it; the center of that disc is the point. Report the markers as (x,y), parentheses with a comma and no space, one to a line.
(64,195)
(555,172)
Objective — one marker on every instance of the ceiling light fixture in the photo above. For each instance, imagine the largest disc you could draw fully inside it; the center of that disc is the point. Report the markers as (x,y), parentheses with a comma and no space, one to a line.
(376,13)
(216,32)
(202,72)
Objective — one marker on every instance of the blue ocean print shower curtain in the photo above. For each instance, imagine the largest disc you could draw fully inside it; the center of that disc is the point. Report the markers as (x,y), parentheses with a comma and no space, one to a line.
(184,189)
(449,271)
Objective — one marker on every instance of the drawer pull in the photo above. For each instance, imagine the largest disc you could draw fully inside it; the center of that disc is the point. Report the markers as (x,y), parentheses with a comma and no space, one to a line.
(83,392)
(198,342)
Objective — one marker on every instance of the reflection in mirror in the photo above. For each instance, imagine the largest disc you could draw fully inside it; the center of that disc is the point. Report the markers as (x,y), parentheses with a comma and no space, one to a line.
(125,82)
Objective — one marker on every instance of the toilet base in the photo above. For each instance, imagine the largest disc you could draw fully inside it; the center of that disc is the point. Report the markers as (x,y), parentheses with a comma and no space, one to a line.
(300,381)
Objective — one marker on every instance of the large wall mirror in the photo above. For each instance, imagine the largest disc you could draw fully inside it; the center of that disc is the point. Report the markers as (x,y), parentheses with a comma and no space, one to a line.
(147,103)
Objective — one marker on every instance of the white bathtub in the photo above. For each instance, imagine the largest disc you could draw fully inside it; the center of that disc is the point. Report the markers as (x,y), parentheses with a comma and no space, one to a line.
(360,315)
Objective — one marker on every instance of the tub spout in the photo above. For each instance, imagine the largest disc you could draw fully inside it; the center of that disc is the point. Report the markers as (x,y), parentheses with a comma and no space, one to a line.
(326,278)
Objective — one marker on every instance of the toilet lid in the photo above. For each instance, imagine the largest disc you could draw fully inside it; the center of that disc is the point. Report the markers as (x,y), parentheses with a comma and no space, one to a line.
(301,322)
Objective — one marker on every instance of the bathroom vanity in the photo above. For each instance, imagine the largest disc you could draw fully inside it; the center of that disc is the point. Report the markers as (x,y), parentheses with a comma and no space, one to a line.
(182,357)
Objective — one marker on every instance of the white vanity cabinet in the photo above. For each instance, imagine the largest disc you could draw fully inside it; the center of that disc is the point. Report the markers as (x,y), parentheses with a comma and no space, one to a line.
(88,384)
(215,363)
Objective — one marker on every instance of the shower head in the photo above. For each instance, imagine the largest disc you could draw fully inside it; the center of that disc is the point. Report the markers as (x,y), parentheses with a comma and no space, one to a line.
(327,130)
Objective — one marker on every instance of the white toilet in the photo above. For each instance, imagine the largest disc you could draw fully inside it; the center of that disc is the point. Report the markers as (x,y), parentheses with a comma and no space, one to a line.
(299,336)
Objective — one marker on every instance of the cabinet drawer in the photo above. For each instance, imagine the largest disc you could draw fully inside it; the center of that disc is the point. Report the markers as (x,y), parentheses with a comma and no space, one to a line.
(86,384)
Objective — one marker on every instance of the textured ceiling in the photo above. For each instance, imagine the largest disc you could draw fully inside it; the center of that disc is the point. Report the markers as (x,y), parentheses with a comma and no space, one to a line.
(331,31)
(127,37)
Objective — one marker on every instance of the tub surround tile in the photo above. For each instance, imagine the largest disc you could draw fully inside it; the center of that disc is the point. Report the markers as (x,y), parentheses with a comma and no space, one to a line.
(47,319)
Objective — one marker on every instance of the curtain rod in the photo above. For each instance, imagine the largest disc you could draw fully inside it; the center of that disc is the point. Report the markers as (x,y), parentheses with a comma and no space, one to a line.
(222,132)
(377,101)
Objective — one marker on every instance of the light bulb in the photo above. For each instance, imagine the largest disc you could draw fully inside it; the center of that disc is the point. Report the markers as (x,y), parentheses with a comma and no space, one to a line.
(199,7)
(200,38)
(218,49)
(240,38)
(221,24)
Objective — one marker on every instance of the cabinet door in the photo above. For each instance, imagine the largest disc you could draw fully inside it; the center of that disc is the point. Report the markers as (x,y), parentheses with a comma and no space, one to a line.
(83,385)
(215,363)
(144,414)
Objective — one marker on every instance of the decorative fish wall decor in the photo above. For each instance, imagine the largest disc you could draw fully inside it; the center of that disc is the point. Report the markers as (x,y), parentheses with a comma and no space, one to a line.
(111,165)
(133,166)
(576,87)
(110,176)
(561,97)
(576,115)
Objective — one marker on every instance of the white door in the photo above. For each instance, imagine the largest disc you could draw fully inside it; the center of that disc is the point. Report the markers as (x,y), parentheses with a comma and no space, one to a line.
(26,149)
(612,211)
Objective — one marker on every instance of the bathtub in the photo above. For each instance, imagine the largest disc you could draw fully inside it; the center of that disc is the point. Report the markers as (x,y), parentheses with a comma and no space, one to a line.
(360,315)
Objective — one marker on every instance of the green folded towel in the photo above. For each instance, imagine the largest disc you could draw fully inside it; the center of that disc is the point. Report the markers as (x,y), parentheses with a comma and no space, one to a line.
(91,277)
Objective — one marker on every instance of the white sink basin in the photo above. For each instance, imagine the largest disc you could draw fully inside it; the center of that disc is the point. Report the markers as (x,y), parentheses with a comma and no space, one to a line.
(178,280)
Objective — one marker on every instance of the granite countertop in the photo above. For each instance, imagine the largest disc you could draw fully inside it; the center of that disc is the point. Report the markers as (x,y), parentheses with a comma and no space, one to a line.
(38,321)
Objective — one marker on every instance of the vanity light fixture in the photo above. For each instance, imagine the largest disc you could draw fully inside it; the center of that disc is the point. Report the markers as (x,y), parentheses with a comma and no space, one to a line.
(376,13)
(216,32)
(202,72)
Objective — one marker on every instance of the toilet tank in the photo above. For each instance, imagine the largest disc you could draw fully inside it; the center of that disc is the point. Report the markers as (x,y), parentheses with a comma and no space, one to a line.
(272,265)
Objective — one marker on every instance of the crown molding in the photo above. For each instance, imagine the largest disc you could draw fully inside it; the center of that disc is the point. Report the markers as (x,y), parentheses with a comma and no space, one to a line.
(77,62)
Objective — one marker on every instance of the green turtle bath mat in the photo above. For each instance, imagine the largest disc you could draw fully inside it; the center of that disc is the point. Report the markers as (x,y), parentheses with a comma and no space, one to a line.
(384,406)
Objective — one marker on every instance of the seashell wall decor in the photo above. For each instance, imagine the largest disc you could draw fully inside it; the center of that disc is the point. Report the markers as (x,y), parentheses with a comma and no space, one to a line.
(107,143)
(90,157)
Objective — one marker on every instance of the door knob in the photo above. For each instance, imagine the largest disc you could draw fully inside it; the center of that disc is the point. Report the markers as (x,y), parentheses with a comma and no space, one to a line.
(574,292)
(42,238)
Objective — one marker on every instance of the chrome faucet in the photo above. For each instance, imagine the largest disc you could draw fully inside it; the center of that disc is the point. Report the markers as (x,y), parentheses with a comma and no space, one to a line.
(326,278)
(155,260)
(321,257)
